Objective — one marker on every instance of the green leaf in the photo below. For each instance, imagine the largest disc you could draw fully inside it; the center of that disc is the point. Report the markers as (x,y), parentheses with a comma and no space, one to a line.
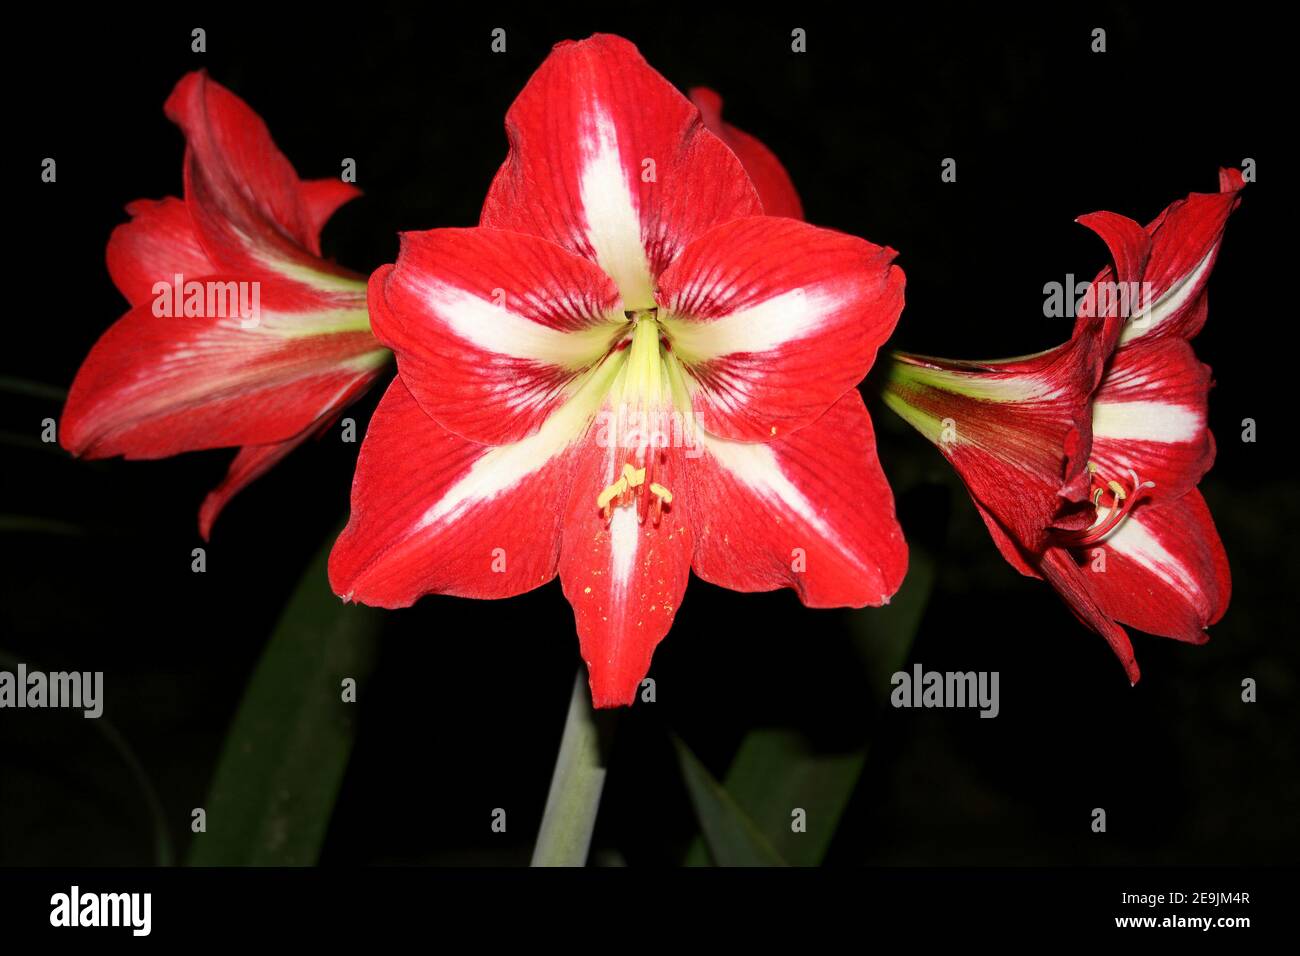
(775,771)
(576,785)
(287,750)
(733,838)
(773,774)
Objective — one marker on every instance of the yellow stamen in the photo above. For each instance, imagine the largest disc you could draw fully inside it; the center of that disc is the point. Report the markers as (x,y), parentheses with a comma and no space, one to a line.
(1125,499)
(633,476)
(610,493)
(660,492)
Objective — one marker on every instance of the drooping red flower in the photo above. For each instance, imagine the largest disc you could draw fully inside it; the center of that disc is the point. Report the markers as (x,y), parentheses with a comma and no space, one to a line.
(239,333)
(625,373)
(1084,460)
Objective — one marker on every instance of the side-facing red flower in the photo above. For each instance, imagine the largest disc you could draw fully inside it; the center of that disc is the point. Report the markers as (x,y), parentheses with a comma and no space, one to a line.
(626,372)
(239,333)
(1083,460)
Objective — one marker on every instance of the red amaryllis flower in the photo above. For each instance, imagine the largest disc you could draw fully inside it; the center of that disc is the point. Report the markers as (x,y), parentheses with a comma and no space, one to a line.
(626,372)
(239,333)
(1083,461)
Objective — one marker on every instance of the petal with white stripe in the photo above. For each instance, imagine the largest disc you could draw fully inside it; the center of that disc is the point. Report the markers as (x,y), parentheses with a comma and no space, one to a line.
(1149,417)
(1185,241)
(609,161)
(624,569)
(435,513)
(1166,572)
(493,328)
(812,512)
(774,320)
(157,385)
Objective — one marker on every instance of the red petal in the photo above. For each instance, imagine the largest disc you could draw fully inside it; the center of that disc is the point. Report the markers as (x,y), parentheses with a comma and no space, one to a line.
(1167,264)
(1185,241)
(492,328)
(775,188)
(1007,546)
(776,319)
(625,579)
(246,200)
(1166,571)
(1149,417)
(434,513)
(1018,433)
(1116,293)
(320,199)
(251,463)
(1128,244)
(156,245)
(612,163)
(154,386)
(1231,180)
(811,511)
(1071,581)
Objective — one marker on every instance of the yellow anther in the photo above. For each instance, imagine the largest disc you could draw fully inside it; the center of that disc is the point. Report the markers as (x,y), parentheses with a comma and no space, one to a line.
(1116,487)
(660,492)
(610,493)
(633,476)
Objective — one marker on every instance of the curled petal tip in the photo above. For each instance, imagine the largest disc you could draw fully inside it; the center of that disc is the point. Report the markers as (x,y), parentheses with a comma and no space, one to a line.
(1231,179)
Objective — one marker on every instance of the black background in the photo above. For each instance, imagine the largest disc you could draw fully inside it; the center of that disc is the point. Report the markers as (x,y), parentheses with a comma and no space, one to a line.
(464,711)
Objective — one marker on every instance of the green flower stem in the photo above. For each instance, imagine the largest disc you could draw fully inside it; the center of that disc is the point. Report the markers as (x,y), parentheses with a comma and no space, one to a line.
(576,784)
